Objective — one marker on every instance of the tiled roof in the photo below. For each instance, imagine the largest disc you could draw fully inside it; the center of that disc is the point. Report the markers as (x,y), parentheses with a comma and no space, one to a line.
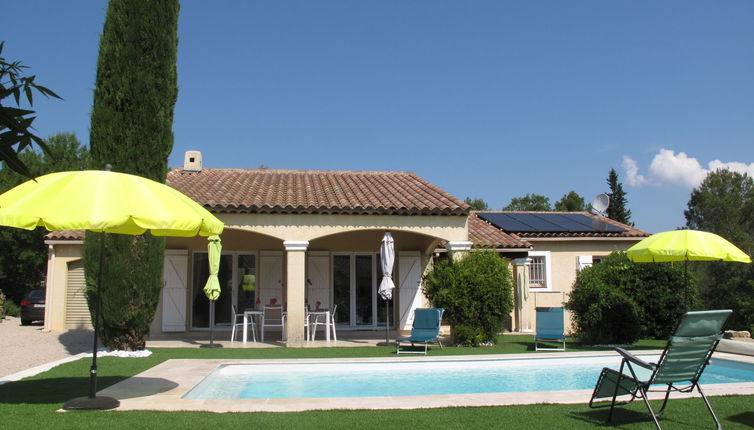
(66,235)
(314,192)
(482,233)
(629,231)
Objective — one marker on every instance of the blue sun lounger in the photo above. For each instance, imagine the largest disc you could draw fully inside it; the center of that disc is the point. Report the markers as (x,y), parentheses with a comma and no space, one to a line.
(550,328)
(426,329)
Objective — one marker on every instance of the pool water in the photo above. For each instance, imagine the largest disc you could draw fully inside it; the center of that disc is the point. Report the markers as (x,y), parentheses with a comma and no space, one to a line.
(418,378)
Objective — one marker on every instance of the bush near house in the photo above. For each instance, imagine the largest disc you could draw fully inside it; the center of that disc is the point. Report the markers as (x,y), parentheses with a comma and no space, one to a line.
(476,292)
(617,301)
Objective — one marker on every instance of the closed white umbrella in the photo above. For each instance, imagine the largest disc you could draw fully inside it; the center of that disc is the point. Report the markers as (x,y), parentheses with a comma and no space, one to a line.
(387,257)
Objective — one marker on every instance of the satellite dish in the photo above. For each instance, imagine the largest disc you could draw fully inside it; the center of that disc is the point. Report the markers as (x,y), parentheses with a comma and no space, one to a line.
(600,203)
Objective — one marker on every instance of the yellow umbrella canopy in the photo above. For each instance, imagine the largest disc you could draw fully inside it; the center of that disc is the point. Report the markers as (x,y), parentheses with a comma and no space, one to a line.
(212,287)
(105,201)
(685,245)
(109,202)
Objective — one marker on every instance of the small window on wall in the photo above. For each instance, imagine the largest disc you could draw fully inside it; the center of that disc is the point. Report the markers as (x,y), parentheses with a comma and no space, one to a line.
(598,258)
(539,270)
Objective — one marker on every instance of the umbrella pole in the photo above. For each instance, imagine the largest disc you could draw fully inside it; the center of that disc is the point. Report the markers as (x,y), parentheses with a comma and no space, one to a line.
(97,313)
(211,343)
(387,320)
(92,401)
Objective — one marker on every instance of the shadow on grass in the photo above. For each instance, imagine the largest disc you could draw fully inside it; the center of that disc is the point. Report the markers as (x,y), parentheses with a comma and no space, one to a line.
(598,417)
(50,390)
(746,418)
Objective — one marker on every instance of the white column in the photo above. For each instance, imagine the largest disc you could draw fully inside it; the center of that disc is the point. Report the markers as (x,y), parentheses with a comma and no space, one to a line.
(458,249)
(295,253)
(522,312)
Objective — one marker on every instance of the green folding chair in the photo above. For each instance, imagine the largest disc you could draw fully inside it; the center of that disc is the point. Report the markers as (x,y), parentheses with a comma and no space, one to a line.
(682,362)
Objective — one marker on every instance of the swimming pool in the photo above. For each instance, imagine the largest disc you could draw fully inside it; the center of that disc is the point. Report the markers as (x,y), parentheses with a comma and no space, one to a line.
(421,378)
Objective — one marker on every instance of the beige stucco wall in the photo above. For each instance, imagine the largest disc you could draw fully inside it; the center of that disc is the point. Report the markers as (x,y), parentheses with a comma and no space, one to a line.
(58,256)
(563,254)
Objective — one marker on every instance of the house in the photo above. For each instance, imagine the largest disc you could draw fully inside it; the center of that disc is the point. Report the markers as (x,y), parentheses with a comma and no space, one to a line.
(303,237)
(547,249)
(292,237)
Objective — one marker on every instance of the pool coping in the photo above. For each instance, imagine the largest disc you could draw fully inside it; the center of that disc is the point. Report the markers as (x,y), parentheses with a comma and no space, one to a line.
(161,388)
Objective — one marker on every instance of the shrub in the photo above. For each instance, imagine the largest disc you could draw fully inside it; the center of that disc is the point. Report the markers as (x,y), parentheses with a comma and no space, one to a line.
(617,301)
(12,309)
(476,293)
(2,306)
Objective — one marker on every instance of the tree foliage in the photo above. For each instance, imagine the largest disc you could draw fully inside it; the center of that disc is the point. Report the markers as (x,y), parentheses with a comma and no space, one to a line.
(723,204)
(530,202)
(477,204)
(617,210)
(476,293)
(617,301)
(23,261)
(16,123)
(131,130)
(571,202)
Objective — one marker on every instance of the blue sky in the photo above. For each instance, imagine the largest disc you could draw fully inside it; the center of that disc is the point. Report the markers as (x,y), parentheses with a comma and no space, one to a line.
(490,99)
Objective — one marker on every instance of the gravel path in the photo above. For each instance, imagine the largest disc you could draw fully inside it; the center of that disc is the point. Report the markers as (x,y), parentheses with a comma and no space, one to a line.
(24,347)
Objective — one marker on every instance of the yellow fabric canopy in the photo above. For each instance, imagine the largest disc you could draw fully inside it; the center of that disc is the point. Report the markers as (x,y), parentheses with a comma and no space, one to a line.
(212,287)
(105,201)
(685,245)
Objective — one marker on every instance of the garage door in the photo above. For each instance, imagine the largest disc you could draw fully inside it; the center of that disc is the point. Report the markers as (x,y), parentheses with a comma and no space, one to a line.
(76,310)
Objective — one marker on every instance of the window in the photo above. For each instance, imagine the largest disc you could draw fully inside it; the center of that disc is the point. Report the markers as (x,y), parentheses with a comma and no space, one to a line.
(539,270)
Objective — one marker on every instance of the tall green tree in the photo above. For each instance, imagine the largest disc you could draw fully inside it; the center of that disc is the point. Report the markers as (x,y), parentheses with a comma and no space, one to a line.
(617,210)
(131,129)
(24,258)
(477,204)
(571,202)
(530,202)
(15,122)
(723,204)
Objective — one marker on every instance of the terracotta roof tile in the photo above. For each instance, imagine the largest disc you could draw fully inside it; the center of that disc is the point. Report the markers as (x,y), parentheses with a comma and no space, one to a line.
(314,192)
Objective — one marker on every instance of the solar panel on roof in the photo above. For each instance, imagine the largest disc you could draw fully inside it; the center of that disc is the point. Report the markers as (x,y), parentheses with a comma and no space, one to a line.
(553,222)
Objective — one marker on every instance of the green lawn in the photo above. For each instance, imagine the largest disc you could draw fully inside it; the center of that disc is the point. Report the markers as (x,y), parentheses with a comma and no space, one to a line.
(31,403)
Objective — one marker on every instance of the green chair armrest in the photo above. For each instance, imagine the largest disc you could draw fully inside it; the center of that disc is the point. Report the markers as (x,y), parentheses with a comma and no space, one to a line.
(634,359)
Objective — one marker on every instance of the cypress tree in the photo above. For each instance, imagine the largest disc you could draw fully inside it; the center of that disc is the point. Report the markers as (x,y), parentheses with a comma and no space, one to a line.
(617,209)
(131,129)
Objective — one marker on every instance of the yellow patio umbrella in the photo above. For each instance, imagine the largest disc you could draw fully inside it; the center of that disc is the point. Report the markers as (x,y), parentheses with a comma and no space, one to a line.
(685,245)
(108,202)
(212,287)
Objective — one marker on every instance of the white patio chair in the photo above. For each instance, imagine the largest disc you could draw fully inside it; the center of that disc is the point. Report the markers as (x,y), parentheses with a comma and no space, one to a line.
(236,323)
(322,320)
(272,316)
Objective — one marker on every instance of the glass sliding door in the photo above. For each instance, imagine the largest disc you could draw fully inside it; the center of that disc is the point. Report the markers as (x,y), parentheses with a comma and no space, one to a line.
(341,275)
(237,287)
(246,282)
(355,290)
(364,277)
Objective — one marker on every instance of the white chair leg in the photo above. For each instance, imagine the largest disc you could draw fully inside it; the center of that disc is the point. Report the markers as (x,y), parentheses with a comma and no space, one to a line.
(233,332)
(334,334)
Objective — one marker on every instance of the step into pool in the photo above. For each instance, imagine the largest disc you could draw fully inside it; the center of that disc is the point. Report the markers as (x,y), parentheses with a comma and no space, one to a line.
(419,378)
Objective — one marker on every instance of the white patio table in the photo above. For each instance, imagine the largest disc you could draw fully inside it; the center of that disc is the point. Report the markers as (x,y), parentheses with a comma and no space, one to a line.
(247,315)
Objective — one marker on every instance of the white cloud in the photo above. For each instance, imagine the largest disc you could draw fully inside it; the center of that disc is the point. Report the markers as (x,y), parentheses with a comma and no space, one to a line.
(632,172)
(733,166)
(669,168)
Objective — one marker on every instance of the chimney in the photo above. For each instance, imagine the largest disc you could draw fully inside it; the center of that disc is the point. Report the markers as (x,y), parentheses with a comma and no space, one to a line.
(192,161)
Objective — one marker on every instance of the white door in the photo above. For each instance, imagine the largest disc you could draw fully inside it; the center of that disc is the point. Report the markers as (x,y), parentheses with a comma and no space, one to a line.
(271,278)
(409,287)
(175,290)
(318,280)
